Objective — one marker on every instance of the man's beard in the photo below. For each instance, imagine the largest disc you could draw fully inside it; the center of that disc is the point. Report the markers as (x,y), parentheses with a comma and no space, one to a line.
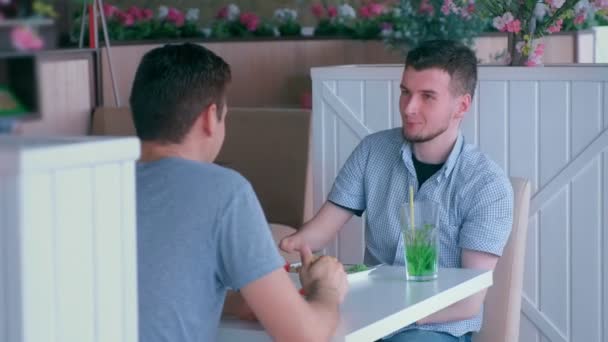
(425,138)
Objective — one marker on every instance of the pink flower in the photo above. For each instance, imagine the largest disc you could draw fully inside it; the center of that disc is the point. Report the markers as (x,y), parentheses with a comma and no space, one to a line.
(446,7)
(135,12)
(426,8)
(110,11)
(375,9)
(250,21)
(540,50)
(176,17)
(147,14)
(580,18)
(514,26)
(531,63)
(364,12)
(471,8)
(222,13)
(507,23)
(601,4)
(556,27)
(24,38)
(125,18)
(317,10)
(332,11)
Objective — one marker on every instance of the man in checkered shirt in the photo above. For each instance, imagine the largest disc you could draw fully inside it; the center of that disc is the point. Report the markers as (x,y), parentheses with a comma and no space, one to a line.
(472,193)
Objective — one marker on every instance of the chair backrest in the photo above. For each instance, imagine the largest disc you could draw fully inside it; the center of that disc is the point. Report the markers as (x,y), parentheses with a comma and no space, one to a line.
(503,300)
(268,146)
(271,148)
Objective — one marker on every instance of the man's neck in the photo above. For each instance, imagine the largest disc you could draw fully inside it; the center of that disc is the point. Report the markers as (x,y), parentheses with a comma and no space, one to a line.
(151,151)
(436,151)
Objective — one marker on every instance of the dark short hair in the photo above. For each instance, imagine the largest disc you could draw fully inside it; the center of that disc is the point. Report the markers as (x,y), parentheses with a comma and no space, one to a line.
(455,58)
(173,85)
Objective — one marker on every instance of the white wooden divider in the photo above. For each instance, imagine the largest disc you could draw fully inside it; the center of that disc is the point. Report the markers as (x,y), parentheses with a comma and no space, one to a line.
(67,239)
(547,124)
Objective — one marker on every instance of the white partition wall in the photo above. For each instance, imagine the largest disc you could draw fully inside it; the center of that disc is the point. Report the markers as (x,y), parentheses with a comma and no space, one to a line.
(67,240)
(547,124)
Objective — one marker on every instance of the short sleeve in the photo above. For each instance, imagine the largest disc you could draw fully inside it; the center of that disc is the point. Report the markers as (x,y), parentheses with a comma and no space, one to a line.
(348,190)
(246,249)
(489,217)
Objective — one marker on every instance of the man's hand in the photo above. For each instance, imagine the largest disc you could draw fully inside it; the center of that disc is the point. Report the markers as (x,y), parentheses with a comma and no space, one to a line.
(292,243)
(322,275)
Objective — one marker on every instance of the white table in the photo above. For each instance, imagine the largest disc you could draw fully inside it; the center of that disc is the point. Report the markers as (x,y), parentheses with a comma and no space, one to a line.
(381,304)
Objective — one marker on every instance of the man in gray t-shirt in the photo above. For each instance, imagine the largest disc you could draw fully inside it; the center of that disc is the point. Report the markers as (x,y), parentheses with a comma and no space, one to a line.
(201,232)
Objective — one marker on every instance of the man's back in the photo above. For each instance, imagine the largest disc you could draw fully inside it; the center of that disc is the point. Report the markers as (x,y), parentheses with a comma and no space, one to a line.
(200,231)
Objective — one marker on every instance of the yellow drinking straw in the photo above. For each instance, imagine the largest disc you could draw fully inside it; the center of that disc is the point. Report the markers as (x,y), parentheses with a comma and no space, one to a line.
(412,207)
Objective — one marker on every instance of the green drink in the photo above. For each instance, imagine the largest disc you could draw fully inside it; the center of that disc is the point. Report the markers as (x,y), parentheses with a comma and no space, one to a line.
(418,226)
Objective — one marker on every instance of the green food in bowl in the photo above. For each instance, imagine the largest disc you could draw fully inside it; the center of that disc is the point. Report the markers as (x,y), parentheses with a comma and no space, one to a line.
(356,268)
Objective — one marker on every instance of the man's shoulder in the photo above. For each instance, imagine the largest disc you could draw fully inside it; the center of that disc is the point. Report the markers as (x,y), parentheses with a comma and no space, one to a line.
(476,167)
(383,141)
(193,173)
(392,135)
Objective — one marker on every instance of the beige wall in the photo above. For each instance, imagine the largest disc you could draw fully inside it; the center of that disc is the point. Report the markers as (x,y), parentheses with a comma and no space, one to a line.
(277,73)
(265,73)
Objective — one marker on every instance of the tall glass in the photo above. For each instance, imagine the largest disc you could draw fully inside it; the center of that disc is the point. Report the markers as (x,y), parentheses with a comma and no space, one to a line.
(420,240)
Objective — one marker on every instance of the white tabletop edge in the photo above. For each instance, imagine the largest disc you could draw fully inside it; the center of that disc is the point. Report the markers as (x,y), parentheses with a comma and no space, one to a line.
(420,310)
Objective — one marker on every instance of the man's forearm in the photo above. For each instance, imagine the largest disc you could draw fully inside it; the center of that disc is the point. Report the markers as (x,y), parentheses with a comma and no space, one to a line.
(464,309)
(319,231)
(315,235)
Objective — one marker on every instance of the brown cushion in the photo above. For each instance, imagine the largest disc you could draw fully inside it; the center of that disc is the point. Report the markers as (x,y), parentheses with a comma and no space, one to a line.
(269,147)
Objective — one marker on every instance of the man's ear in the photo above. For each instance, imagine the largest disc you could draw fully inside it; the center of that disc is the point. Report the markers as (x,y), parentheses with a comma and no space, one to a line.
(463,105)
(207,120)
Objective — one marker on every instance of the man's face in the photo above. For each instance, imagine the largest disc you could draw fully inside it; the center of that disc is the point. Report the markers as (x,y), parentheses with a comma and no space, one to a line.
(428,107)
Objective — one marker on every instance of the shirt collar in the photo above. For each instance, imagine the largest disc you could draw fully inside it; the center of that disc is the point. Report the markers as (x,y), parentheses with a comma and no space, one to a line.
(448,166)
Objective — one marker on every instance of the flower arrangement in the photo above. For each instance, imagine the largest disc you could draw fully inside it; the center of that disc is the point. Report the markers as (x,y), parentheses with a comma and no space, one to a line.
(527,21)
(137,23)
(230,22)
(172,23)
(287,22)
(334,21)
(373,19)
(414,21)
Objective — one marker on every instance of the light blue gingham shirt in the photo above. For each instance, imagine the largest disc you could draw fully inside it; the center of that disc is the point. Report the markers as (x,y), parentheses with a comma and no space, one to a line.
(473,194)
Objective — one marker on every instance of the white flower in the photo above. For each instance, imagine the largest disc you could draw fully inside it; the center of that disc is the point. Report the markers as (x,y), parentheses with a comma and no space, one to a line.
(284,15)
(558,3)
(163,12)
(233,12)
(192,14)
(346,11)
(581,5)
(540,10)
(385,33)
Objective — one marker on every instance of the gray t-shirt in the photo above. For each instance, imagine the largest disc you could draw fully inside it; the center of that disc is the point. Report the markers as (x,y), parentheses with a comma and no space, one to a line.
(200,231)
